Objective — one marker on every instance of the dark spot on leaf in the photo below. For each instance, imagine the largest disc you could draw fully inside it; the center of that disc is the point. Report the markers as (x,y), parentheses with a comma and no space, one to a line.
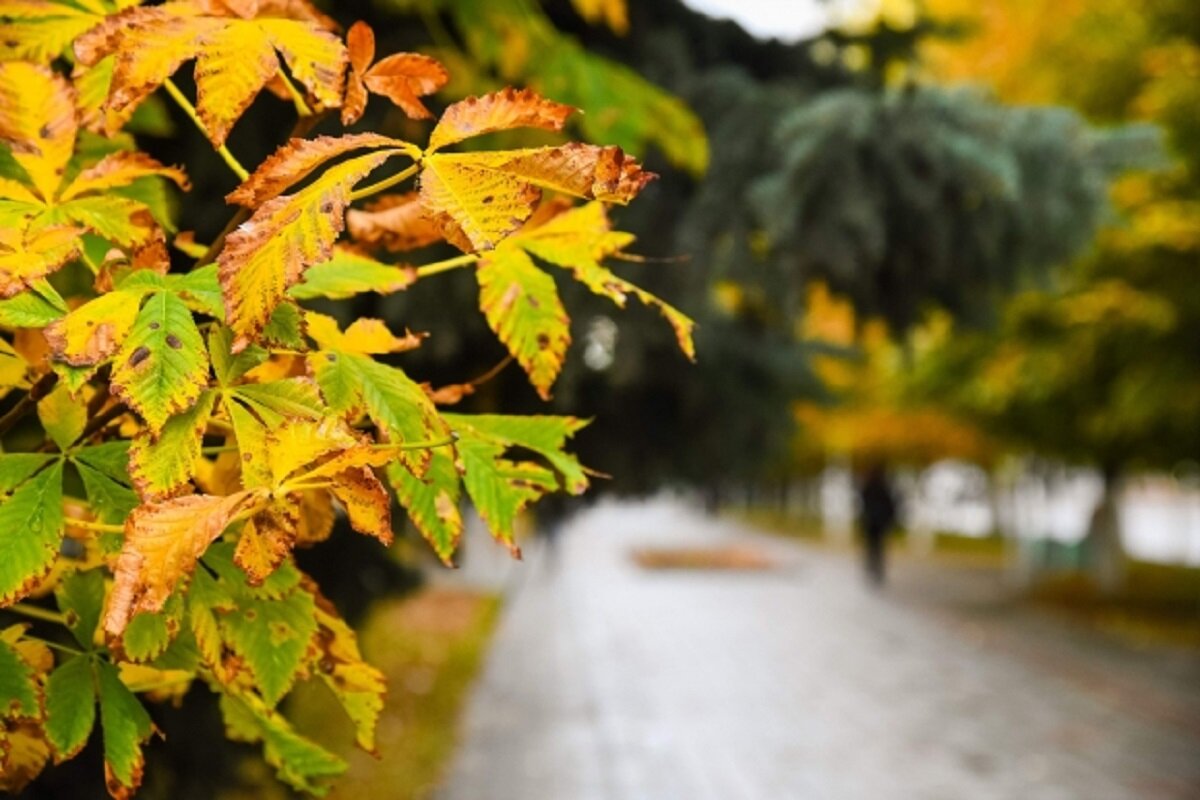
(11,43)
(139,355)
(543,341)
(327,665)
(533,302)
(331,356)
(487,200)
(89,323)
(173,341)
(326,207)
(250,614)
(247,457)
(44,132)
(155,326)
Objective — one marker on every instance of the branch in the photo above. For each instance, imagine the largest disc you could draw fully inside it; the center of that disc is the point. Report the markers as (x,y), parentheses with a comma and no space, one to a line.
(189,109)
(43,387)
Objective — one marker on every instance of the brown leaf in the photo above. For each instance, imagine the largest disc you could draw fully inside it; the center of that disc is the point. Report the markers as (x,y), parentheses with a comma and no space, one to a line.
(163,541)
(396,222)
(360,43)
(295,160)
(367,503)
(266,541)
(508,108)
(404,77)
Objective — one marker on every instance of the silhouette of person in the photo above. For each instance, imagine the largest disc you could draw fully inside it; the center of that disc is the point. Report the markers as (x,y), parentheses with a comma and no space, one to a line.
(877,515)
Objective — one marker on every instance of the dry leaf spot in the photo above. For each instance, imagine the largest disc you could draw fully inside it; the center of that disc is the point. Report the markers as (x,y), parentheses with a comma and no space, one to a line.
(139,355)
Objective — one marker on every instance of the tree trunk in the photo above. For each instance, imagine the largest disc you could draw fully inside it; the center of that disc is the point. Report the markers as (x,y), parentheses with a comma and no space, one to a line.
(1102,545)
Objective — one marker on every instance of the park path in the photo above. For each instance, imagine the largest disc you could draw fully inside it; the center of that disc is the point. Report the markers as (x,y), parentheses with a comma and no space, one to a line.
(610,682)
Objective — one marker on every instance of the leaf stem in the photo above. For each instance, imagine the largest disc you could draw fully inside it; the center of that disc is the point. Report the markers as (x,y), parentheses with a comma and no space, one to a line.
(212,451)
(56,646)
(446,265)
(429,444)
(386,183)
(94,526)
(189,109)
(297,97)
(38,613)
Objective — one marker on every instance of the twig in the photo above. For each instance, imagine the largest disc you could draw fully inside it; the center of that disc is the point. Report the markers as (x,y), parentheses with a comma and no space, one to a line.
(40,389)
(189,109)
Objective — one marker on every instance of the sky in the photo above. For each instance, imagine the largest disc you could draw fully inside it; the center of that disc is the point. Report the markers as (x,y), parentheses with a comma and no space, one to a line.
(784,19)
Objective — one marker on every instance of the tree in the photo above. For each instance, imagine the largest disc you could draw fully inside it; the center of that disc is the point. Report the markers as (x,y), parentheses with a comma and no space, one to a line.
(1103,369)
(171,436)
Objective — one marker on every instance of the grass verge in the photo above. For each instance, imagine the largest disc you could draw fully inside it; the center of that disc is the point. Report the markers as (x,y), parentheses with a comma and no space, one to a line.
(430,646)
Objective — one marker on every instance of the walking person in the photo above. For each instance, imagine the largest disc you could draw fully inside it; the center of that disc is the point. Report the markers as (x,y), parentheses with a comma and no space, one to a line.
(877,515)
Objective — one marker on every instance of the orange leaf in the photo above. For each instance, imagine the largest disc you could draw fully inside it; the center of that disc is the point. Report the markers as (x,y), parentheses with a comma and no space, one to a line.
(163,541)
(367,503)
(360,42)
(404,77)
(266,540)
(396,222)
(296,159)
(508,108)
(121,169)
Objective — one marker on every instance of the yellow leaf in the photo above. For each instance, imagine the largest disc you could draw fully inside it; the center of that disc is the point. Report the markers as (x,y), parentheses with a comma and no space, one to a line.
(37,120)
(479,198)
(269,253)
(39,31)
(35,255)
(359,687)
(266,541)
(366,336)
(25,753)
(94,331)
(503,110)
(297,158)
(613,13)
(316,517)
(298,443)
(120,169)
(523,308)
(368,505)
(235,58)
(163,541)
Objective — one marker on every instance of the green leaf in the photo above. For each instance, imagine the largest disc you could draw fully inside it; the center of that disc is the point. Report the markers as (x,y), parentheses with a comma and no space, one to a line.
(31,523)
(228,367)
(126,726)
(285,328)
(16,468)
(80,597)
(544,435)
(32,309)
(522,306)
(70,706)
(272,636)
(432,501)
(201,290)
(147,636)
(352,382)
(499,488)
(111,500)
(298,762)
(348,274)
(162,366)
(110,458)
(291,398)
(19,696)
(160,468)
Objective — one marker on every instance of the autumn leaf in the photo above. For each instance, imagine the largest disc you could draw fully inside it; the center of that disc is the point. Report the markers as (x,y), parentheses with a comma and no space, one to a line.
(37,120)
(162,544)
(34,254)
(120,169)
(268,254)
(432,501)
(126,726)
(298,158)
(235,58)
(401,77)
(396,222)
(347,274)
(522,306)
(40,30)
(499,111)
(479,198)
(360,47)
(359,687)
(163,366)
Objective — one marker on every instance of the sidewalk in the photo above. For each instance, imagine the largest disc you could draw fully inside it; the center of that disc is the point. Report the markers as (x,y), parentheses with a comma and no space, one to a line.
(610,682)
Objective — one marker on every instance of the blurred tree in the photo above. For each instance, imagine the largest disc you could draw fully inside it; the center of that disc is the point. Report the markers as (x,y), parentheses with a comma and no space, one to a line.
(1107,369)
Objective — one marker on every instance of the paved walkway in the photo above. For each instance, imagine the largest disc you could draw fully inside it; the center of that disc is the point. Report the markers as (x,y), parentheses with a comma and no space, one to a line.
(609,682)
